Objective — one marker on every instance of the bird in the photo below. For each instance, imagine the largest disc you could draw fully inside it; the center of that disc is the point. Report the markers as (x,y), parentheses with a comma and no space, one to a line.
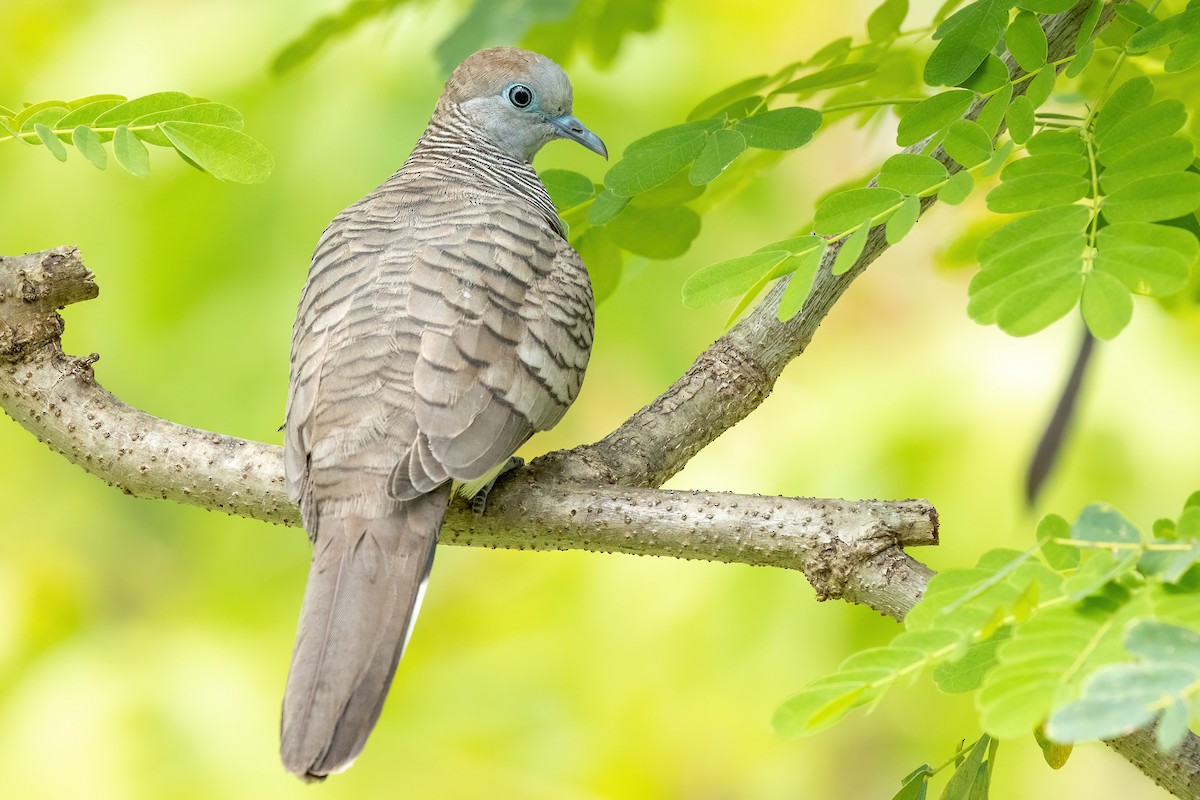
(445,319)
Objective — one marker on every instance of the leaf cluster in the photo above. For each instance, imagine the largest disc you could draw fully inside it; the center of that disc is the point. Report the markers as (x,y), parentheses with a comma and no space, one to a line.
(205,134)
(557,28)
(1089,635)
(1110,193)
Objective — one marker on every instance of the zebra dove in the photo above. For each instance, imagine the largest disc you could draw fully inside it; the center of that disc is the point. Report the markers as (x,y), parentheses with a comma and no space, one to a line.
(444,321)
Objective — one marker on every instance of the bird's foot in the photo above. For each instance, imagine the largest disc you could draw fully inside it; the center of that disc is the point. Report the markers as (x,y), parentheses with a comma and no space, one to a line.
(479,501)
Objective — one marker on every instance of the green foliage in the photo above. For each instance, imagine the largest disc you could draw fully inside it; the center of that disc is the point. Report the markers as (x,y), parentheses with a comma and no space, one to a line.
(966,39)
(1132,172)
(1106,174)
(206,135)
(554,27)
(1092,634)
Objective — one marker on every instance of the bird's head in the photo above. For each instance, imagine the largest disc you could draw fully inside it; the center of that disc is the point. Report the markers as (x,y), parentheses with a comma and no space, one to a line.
(520,100)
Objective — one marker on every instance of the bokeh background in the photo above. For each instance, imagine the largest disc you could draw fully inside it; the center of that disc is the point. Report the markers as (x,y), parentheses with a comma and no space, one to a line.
(144,646)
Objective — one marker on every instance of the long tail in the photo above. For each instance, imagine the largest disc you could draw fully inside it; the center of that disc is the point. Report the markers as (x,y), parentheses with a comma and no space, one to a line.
(364,589)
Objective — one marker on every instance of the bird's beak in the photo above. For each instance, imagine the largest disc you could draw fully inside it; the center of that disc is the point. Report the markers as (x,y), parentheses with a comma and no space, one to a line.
(576,131)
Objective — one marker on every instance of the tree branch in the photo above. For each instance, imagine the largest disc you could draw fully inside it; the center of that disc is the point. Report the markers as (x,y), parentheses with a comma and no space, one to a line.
(847,549)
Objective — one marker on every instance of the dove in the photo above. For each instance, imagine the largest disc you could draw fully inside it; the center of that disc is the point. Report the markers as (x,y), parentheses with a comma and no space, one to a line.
(445,320)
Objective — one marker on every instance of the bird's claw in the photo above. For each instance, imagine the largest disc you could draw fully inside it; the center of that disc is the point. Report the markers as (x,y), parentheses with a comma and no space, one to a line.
(479,501)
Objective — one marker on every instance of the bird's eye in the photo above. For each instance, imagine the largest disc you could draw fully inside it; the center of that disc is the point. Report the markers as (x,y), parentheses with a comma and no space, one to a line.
(520,95)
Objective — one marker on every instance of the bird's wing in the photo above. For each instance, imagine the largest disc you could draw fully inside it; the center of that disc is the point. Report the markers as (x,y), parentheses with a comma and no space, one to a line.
(436,334)
(506,310)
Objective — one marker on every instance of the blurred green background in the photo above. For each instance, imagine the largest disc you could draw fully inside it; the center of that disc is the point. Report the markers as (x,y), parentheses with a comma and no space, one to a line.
(144,646)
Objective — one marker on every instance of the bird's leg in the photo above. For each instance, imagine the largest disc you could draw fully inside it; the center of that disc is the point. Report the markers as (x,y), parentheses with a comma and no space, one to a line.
(479,501)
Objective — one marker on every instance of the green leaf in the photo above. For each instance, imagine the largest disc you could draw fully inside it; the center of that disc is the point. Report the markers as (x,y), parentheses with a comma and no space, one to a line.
(721,149)
(1046,6)
(900,223)
(780,129)
(95,98)
(911,173)
(1036,306)
(966,674)
(1106,304)
(1167,31)
(885,21)
(46,117)
(1087,25)
(52,142)
(967,143)
(1083,57)
(1155,121)
(731,278)
(1148,259)
(846,210)
(1026,41)
(851,249)
(1041,85)
(1049,164)
(654,159)
(1050,222)
(87,114)
(1117,699)
(1055,755)
(915,786)
(836,49)
(1033,192)
(999,158)
(1172,725)
(1020,119)
(88,143)
(839,75)
(1100,522)
(800,282)
(992,113)
(967,38)
(1132,95)
(1184,55)
(15,134)
(1060,556)
(1056,142)
(603,259)
(38,113)
(714,103)
(130,152)
(818,707)
(1164,643)
(325,28)
(606,206)
(672,193)
(226,154)
(567,189)
(127,112)
(1157,197)
(1034,259)
(957,189)
(932,115)
(208,113)
(962,782)
(991,76)
(658,232)
(1135,14)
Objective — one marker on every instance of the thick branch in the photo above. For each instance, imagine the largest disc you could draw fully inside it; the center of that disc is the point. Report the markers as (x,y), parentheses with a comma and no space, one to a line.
(839,545)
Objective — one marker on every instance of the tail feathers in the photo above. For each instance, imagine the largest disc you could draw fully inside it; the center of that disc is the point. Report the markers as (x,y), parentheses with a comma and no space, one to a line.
(363,593)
